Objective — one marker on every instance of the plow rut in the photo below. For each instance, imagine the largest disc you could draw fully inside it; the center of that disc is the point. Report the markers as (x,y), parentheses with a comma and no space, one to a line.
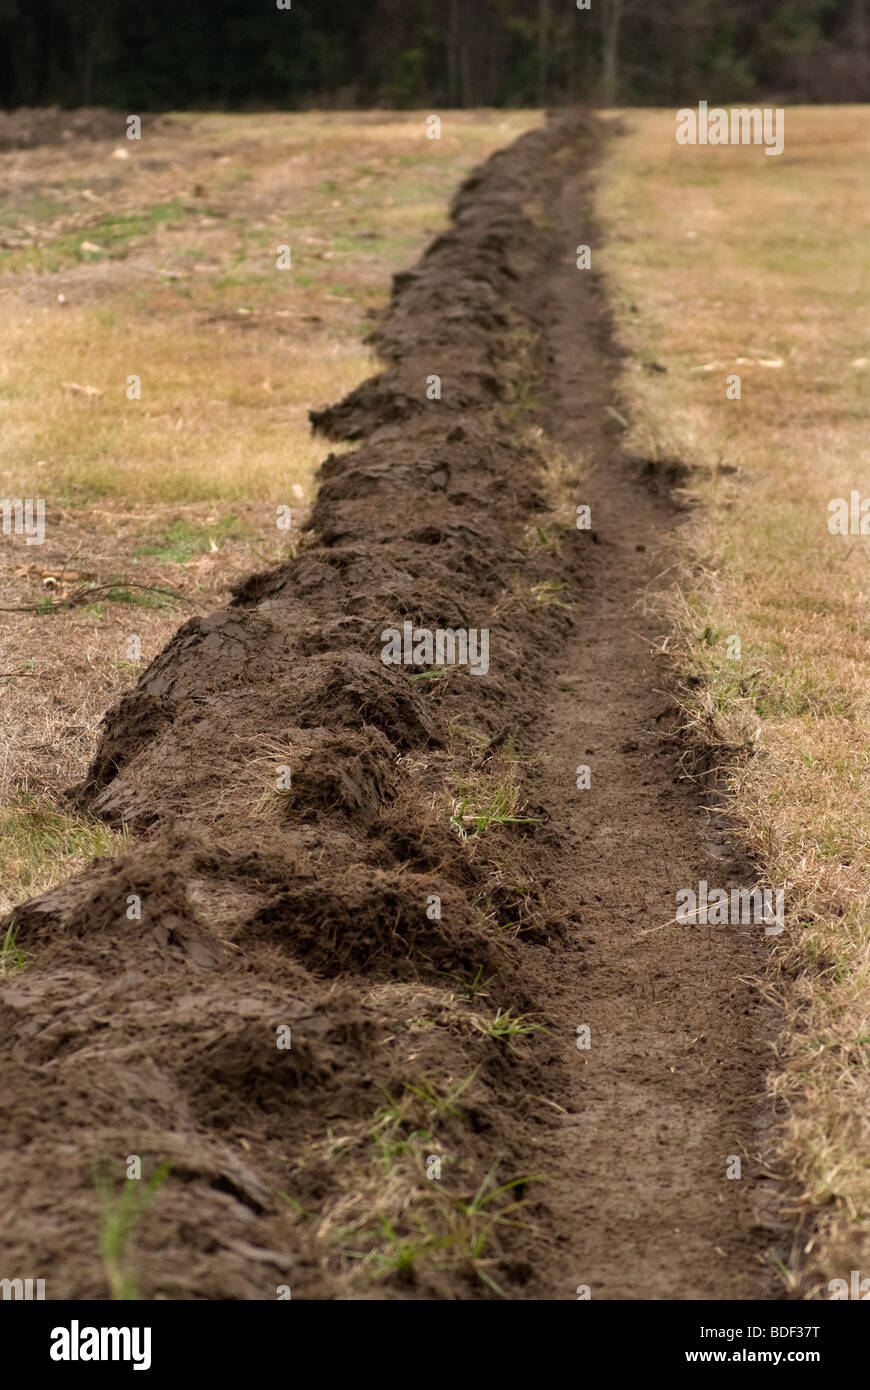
(148,1020)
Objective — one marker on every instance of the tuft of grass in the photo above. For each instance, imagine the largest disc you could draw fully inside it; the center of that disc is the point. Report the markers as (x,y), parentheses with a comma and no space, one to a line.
(478,807)
(545,592)
(437,673)
(11,957)
(395,1215)
(120,1214)
(526,403)
(431,1096)
(41,844)
(473,987)
(506,1026)
(401,1222)
(456,1231)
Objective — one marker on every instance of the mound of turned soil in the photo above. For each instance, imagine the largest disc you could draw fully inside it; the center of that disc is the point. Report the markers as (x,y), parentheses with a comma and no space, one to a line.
(146,1020)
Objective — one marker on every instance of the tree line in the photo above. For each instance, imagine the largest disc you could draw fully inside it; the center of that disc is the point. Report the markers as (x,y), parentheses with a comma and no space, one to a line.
(176,54)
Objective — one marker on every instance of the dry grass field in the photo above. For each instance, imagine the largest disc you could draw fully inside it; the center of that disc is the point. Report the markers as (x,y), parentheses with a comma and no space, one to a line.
(724,261)
(158,259)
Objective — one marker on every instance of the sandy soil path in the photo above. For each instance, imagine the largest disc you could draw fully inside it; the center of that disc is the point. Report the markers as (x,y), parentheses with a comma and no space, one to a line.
(671,1086)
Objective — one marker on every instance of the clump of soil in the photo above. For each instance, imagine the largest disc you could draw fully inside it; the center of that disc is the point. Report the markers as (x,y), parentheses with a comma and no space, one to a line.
(292,863)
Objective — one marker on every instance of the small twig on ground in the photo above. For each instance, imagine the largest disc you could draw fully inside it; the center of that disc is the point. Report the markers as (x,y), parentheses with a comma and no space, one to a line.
(87,594)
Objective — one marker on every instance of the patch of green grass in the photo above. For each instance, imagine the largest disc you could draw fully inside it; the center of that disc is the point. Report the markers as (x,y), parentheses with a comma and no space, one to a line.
(403,1255)
(526,402)
(41,207)
(546,591)
(413,1220)
(444,1104)
(479,808)
(446,1231)
(437,673)
(793,693)
(120,1213)
(38,843)
(144,598)
(471,988)
(111,235)
(786,693)
(505,1026)
(475,736)
(11,958)
(233,282)
(116,232)
(181,541)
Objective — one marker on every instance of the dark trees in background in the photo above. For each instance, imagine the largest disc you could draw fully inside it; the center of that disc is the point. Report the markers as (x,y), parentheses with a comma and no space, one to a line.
(159,54)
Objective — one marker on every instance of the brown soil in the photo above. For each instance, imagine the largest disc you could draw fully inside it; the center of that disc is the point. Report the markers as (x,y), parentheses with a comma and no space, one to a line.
(673,1082)
(261,908)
